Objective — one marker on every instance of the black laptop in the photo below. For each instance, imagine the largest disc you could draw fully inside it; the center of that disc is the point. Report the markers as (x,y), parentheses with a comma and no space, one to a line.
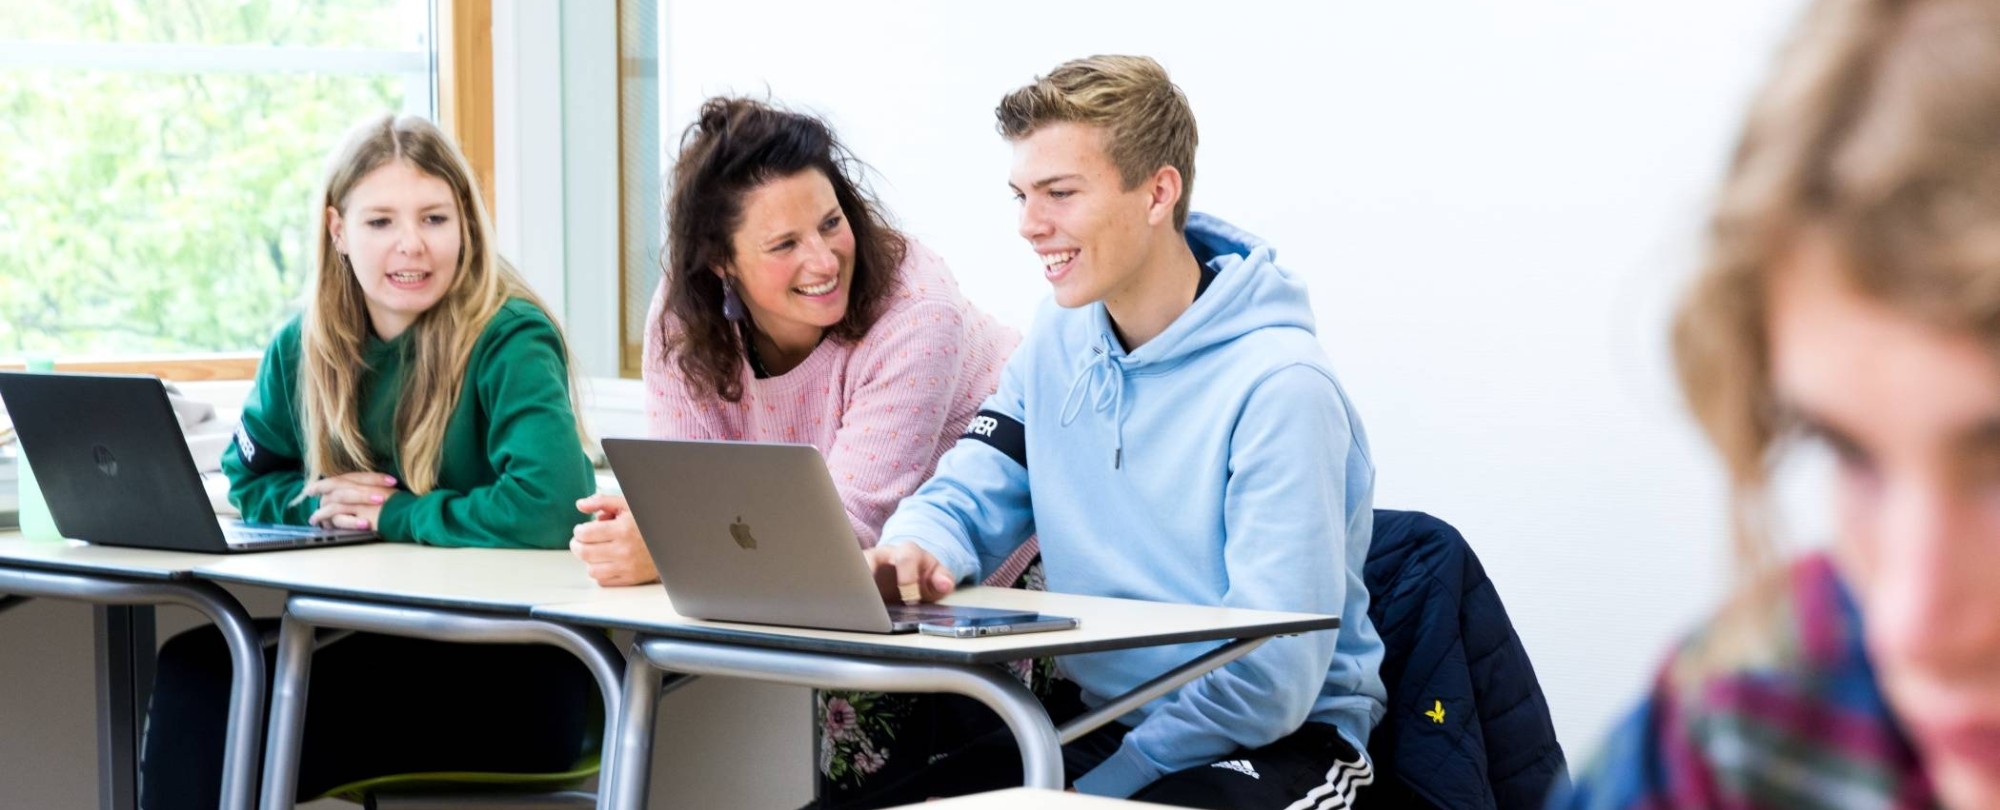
(116,471)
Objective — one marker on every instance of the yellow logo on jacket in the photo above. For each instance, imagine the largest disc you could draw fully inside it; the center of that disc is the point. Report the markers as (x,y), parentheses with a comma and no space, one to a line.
(1436,714)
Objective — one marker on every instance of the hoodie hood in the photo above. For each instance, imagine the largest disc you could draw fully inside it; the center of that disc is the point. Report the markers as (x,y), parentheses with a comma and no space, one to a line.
(1250,293)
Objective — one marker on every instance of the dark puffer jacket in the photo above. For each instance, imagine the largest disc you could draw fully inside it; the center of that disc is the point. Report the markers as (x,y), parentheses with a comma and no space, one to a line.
(1467,726)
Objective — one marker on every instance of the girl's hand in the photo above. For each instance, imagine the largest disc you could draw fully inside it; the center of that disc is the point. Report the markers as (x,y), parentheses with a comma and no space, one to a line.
(351,501)
(610,545)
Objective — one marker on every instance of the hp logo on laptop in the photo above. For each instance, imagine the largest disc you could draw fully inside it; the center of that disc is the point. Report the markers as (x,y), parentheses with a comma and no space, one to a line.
(106,462)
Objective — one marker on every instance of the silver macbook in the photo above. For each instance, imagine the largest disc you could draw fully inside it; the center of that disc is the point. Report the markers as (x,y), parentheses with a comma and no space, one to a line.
(116,471)
(752,532)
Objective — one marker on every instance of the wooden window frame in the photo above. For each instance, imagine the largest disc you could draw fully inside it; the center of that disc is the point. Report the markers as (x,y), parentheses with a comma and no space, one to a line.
(631,354)
(178,367)
(465,84)
(465,111)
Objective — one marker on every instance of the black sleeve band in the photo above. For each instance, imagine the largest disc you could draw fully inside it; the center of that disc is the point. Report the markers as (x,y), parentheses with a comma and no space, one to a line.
(259,459)
(1005,433)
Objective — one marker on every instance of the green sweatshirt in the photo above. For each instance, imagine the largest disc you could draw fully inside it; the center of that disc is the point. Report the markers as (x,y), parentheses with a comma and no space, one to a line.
(512,466)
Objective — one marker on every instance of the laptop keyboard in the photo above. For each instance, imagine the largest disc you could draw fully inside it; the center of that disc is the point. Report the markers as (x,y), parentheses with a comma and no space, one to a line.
(254,535)
(244,537)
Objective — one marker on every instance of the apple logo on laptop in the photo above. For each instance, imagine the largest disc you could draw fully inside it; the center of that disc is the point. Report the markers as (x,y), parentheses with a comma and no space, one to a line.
(741,531)
(105,460)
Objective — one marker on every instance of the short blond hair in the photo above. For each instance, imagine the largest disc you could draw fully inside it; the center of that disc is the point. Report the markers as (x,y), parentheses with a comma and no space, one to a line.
(1146,120)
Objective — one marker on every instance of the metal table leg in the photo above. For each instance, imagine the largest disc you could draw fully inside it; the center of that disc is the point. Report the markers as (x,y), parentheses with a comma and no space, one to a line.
(628,759)
(125,660)
(631,775)
(1041,754)
(304,614)
(125,654)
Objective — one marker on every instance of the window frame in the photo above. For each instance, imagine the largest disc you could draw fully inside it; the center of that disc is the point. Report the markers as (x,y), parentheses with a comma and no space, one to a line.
(641,197)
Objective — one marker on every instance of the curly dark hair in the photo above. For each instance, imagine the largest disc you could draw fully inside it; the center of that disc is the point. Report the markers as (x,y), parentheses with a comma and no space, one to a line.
(736,145)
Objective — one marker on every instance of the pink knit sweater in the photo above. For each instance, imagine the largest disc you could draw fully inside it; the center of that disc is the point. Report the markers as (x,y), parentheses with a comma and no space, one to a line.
(881,410)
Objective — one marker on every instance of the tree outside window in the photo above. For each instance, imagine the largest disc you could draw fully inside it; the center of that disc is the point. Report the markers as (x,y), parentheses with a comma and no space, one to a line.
(160,160)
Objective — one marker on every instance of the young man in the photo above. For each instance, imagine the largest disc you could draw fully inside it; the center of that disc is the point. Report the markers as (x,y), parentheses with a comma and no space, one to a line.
(1173,432)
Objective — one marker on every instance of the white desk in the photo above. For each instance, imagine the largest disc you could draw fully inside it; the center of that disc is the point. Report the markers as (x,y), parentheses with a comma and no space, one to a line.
(1032,798)
(462,595)
(118,579)
(484,579)
(908,663)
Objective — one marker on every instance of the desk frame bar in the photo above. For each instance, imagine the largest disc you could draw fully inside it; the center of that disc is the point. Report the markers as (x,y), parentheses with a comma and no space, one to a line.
(304,614)
(1041,754)
(1213,660)
(629,758)
(126,662)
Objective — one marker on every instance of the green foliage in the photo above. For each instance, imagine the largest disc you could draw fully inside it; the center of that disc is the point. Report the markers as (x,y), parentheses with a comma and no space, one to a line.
(384,24)
(145,212)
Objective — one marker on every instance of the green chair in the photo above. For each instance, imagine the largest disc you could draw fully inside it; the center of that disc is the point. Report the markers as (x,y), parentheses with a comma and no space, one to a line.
(458,790)
(463,789)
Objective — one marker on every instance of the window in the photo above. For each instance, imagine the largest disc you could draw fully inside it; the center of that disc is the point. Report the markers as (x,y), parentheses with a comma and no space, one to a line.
(162,160)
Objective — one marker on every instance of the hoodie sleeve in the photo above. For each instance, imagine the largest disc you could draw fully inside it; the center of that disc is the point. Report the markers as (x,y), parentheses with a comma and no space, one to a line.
(1284,511)
(265,463)
(976,509)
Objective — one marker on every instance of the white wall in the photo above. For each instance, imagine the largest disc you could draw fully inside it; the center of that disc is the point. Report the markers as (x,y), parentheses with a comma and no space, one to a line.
(1494,204)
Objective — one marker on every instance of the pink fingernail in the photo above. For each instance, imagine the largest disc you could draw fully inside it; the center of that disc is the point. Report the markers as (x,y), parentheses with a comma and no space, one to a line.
(388,480)
(377,498)
(364,524)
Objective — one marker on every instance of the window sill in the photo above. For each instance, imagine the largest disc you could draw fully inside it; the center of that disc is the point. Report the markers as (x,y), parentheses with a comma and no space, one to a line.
(177,367)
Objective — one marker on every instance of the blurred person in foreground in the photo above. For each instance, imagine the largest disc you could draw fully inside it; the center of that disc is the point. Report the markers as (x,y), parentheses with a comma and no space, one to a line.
(1850,298)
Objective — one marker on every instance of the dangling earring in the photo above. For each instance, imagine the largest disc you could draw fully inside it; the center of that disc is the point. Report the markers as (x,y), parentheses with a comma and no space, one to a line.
(732,304)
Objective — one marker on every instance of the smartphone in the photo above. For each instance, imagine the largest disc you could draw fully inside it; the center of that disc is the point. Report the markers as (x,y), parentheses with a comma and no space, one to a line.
(981,626)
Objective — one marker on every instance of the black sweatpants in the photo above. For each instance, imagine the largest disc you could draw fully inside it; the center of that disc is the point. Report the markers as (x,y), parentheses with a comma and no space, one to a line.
(1312,769)
(377,705)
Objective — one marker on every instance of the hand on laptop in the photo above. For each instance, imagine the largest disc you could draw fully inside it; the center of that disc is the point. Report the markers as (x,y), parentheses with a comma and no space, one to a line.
(610,544)
(350,501)
(906,571)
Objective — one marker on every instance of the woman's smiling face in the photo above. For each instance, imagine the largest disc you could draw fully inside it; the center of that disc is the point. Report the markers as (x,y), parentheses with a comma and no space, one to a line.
(794,259)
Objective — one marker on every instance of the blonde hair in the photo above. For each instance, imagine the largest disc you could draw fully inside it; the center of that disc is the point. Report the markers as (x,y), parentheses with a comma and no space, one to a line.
(1146,119)
(336,324)
(1879,133)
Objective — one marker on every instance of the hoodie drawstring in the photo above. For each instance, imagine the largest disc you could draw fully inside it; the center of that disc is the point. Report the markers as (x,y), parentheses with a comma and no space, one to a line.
(1105,375)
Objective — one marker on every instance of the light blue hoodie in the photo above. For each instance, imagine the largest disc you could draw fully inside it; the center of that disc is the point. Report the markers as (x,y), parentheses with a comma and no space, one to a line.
(1220,464)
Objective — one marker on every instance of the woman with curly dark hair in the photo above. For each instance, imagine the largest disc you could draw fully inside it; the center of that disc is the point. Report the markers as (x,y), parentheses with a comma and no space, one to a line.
(792,311)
